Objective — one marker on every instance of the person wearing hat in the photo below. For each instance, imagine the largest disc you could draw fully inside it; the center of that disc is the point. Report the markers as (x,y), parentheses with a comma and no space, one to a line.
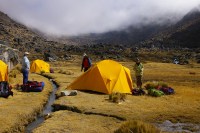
(86,63)
(138,68)
(25,67)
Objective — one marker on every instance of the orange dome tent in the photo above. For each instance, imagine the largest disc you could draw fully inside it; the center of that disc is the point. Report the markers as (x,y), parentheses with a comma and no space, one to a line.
(106,76)
(3,71)
(38,66)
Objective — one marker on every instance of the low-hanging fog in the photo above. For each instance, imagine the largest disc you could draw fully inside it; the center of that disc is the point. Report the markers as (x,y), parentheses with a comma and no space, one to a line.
(74,17)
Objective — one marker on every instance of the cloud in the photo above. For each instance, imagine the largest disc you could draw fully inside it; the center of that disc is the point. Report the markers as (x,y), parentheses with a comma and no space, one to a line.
(73,17)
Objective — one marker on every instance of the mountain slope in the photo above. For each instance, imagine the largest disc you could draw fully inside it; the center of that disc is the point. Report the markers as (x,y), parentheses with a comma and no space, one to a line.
(22,38)
(184,34)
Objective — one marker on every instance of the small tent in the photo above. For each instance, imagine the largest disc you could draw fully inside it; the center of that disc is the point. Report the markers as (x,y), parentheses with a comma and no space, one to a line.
(3,71)
(106,76)
(38,66)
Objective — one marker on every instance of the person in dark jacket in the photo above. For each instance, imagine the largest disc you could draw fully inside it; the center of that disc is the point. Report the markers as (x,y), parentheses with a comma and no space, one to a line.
(86,63)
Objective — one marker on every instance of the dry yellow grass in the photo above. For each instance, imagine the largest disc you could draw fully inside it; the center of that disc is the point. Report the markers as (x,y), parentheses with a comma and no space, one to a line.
(69,122)
(184,106)
(105,116)
(137,127)
(23,107)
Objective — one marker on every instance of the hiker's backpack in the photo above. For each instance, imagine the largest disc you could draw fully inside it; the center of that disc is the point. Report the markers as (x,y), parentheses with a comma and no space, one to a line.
(33,86)
(167,90)
(155,93)
(5,89)
(138,92)
(89,61)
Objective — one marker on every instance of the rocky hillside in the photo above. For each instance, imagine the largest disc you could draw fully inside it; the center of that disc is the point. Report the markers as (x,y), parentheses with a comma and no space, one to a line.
(185,34)
(114,44)
(22,38)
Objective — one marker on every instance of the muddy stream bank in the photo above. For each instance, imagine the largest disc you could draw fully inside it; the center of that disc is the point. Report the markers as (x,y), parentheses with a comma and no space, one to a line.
(47,110)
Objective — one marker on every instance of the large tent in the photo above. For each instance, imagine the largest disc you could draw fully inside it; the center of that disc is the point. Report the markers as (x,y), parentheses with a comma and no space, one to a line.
(106,76)
(3,71)
(38,66)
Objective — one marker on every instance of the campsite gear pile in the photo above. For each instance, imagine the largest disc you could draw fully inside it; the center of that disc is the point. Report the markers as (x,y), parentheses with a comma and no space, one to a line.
(157,89)
(5,89)
(33,86)
(106,77)
(138,91)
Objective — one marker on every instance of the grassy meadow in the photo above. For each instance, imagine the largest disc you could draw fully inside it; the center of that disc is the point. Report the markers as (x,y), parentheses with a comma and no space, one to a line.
(17,111)
(183,106)
(92,112)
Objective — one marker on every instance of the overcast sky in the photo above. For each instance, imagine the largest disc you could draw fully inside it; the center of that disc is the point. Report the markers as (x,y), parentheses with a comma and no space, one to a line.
(73,17)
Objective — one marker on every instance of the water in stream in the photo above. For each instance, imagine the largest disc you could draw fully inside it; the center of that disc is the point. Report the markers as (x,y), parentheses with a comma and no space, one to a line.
(166,126)
(47,110)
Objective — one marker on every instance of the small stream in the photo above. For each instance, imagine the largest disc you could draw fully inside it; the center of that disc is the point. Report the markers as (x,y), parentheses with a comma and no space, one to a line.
(166,126)
(47,110)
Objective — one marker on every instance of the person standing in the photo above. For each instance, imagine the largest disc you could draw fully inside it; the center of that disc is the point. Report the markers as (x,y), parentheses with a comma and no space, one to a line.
(138,68)
(86,63)
(25,67)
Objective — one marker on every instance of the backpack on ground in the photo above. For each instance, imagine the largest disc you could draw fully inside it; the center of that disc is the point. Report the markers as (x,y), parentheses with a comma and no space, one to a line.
(5,89)
(33,86)
(138,92)
(155,92)
(167,90)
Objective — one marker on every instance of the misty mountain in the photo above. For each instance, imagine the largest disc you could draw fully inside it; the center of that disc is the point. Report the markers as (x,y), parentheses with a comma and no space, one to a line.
(184,34)
(130,36)
(23,38)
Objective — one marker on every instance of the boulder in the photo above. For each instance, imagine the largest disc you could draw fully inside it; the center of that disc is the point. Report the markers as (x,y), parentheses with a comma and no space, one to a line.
(9,55)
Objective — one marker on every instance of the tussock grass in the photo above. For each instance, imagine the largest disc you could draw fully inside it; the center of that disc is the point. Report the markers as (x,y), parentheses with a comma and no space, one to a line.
(137,127)
(66,72)
(117,97)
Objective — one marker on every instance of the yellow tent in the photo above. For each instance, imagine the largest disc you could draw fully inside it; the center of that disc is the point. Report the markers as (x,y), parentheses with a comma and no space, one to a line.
(3,71)
(39,66)
(106,76)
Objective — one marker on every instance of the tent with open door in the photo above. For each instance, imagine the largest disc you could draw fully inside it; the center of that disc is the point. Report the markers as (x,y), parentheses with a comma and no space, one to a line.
(3,71)
(38,66)
(106,76)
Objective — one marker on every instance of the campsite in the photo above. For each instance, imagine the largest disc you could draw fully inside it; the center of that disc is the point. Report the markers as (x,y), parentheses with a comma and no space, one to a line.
(99,66)
(88,111)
